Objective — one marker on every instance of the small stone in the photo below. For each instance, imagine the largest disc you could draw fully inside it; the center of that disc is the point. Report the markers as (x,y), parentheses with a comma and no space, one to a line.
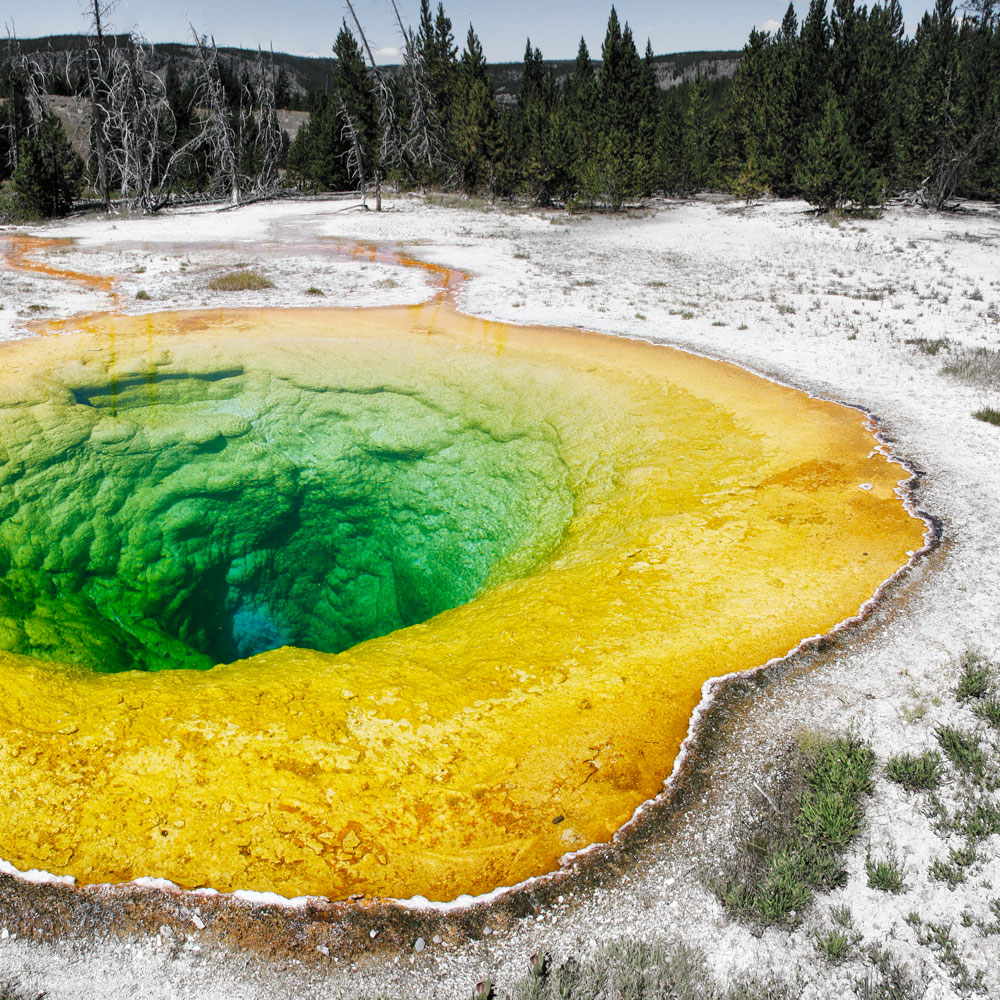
(323,950)
(487,930)
(419,944)
(198,922)
(436,939)
(372,932)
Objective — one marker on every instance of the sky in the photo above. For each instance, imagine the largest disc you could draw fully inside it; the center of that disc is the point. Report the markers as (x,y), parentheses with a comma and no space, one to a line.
(308,27)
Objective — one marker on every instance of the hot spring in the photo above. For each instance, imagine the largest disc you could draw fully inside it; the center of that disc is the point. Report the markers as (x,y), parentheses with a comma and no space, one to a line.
(391,602)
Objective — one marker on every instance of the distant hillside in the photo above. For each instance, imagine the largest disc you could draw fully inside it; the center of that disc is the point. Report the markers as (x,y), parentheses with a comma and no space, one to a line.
(61,58)
(60,55)
(671,70)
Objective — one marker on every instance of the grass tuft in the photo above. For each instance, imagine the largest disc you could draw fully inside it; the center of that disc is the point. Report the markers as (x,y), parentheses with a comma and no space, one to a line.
(988,709)
(963,749)
(916,772)
(885,874)
(628,969)
(313,290)
(245,280)
(885,979)
(794,843)
(927,346)
(142,295)
(834,945)
(976,680)
(978,366)
(988,415)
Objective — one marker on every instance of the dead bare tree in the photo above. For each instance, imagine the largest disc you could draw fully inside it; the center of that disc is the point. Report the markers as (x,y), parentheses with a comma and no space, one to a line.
(424,141)
(355,159)
(218,135)
(951,166)
(389,148)
(30,81)
(99,11)
(268,141)
(138,127)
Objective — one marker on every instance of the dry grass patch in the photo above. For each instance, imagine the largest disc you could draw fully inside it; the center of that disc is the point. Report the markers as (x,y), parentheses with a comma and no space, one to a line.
(626,969)
(245,280)
(978,366)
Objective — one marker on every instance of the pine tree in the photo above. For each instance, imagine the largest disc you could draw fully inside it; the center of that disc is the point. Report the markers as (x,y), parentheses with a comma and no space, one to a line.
(812,71)
(881,94)
(670,143)
(49,173)
(934,124)
(789,30)
(475,125)
(16,119)
(531,151)
(438,52)
(282,91)
(748,133)
(697,151)
(619,166)
(847,25)
(831,175)
(579,126)
(785,118)
(317,157)
(649,117)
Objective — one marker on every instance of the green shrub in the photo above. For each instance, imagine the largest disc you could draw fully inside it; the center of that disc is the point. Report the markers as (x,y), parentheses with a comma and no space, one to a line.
(988,415)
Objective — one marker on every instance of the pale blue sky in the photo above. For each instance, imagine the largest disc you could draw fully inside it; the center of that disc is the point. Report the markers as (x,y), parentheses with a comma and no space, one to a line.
(308,27)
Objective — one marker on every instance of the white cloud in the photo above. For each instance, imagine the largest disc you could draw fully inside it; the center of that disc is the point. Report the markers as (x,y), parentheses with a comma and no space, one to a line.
(771,26)
(388,52)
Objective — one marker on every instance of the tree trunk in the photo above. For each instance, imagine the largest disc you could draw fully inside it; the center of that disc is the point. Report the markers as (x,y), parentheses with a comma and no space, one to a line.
(94,55)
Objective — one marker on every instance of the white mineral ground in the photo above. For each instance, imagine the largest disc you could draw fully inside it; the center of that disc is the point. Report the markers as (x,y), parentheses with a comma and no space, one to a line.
(826,308)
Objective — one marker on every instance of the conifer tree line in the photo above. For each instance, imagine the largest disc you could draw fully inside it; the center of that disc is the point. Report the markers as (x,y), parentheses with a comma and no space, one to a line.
(841,108)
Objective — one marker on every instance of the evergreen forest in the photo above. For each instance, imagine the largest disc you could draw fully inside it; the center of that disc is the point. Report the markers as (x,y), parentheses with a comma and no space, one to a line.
(840,107)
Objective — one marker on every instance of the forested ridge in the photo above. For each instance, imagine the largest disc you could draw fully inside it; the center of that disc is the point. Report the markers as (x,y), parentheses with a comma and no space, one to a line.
(840,107)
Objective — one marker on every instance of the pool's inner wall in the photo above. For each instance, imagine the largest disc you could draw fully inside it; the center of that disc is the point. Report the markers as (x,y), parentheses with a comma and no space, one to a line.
(170,519)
